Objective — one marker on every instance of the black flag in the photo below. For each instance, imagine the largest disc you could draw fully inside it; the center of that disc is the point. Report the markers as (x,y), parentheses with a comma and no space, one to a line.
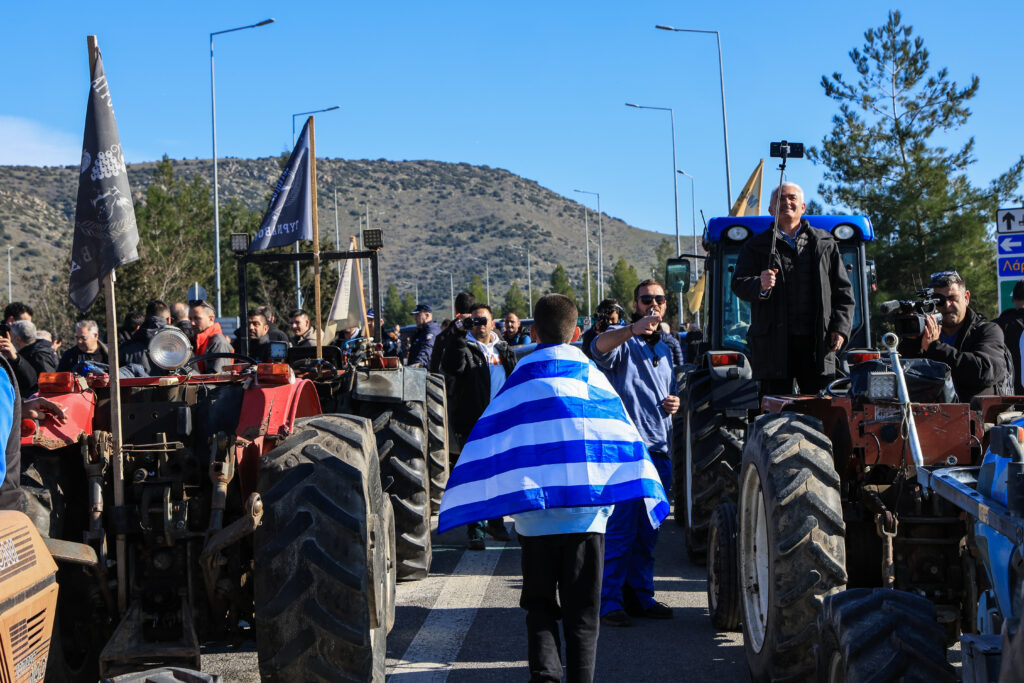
(106,235)
(289,216)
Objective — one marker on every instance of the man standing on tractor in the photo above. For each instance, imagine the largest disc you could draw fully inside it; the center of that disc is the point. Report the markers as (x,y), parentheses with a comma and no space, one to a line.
(638,364)
(971,347)
(423,344)
(305,335)
(88,347)
(208,336)
(801,299)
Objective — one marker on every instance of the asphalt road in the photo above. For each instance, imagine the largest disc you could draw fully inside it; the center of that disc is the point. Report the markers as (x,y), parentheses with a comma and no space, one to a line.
(464,623)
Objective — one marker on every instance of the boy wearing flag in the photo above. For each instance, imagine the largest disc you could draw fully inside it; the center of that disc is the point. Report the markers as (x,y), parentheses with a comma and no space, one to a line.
(556,450)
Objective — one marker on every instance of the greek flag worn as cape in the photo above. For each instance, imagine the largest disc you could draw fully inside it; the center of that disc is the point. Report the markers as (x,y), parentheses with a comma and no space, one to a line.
(556,435)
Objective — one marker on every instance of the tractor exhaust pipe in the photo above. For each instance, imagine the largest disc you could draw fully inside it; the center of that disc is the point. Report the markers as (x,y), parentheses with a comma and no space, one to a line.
(890,341)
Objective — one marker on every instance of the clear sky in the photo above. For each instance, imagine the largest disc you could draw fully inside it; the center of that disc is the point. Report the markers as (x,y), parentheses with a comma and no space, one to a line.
(537,88)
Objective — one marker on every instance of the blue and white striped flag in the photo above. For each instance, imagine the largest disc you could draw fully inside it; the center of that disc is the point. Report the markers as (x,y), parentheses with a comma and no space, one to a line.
(556,435)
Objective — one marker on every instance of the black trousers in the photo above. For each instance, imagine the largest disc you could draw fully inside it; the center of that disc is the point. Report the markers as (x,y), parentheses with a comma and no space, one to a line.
(801,366)
(572,564)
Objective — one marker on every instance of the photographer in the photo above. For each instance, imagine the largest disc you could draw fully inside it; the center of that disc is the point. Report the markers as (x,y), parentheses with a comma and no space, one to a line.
(971,347)
(608,314)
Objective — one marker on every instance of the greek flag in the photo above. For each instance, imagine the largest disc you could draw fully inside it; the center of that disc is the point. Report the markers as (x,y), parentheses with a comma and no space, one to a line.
(556,435)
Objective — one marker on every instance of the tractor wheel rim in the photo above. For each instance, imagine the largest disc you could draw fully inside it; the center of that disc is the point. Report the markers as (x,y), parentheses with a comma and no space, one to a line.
(689,474)
(754,559)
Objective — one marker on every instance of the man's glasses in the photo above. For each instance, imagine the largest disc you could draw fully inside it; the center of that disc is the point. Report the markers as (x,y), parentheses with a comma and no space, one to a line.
(648,299)
(945,278)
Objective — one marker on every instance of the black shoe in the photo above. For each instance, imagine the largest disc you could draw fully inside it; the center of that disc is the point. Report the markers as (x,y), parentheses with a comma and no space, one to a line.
(631,603)
(658,610)
(476,544)
(496,529)
(617,618)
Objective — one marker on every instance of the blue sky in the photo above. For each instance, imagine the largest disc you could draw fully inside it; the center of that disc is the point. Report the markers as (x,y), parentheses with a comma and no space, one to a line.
(537,88)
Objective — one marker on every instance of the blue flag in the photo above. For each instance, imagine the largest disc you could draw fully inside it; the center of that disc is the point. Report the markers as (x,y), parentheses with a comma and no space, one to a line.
(289,216)
(556,435)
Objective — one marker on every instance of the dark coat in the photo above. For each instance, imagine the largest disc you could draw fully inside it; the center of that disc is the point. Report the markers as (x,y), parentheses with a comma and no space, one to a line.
(976,360)
(32,360)
(423,344)
(440,342)
(768,335)
(471,375)
(1011,322)
(674,347)
(74,355)
(136,351)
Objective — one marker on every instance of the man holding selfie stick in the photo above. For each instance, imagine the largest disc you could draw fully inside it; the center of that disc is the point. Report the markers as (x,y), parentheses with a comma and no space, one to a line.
(801,300)
(479,361)
(638,364)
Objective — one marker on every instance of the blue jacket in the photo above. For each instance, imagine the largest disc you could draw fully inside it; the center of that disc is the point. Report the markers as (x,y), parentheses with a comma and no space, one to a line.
(423,344)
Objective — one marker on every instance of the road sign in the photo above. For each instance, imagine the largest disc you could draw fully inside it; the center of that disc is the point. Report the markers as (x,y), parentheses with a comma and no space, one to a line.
(1010,220)
(1010,244)
(1006,294)
(1011,267)
(196,292)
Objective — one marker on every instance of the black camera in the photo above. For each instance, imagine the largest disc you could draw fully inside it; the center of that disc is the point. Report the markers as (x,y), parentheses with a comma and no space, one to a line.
(787,150)
(473,322)
(910,314)
(603,316)
(4,329)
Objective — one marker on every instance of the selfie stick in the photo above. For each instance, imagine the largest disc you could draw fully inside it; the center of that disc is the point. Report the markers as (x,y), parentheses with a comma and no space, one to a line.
(784,151)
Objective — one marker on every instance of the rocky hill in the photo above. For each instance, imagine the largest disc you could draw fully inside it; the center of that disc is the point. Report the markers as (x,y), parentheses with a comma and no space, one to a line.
(434,216)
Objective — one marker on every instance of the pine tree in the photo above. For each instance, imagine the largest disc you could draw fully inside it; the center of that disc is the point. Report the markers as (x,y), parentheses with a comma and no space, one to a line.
(560,283)
(886,158)
(514,302)
(622,282)
(394,312)
(478,289)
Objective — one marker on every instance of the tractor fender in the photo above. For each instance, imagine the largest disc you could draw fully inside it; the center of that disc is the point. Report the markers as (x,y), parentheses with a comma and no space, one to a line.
(732,386)
(79,408)
(268,415)
(398,385)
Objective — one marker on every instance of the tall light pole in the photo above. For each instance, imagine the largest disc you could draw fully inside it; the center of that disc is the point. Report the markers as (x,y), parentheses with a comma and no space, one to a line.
(586,232)
(415,286)
(675,184)
(451,290)
(529,282)
(10,291)
(213,116)
(693,209)
(721,79)
(600,243)
(487,270)
(298,269)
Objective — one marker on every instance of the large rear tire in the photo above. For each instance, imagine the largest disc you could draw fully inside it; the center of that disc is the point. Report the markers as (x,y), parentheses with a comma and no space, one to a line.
(880,634)
(437,439)
(791,543)
(401,431)
(318,554)
(723,577)
(714,448)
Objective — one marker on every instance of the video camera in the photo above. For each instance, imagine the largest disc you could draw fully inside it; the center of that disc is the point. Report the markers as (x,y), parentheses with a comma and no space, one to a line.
(603,316)
(910,314)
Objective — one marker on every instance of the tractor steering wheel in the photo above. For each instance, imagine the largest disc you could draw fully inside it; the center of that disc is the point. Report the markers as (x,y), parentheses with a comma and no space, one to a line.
(215,356)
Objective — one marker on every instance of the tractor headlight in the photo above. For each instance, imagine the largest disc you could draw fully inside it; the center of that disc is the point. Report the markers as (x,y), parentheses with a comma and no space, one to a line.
(844,231)
(882,387)
(170,348)
(737,233)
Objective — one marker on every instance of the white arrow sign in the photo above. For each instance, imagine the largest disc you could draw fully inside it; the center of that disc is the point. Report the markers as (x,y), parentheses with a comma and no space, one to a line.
(1011,244)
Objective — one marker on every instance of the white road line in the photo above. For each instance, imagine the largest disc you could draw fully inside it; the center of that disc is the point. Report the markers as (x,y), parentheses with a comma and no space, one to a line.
(432,652)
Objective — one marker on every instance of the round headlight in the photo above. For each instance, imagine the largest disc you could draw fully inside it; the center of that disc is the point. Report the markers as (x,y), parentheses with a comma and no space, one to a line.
(737,233)
(170,348)
(843,232)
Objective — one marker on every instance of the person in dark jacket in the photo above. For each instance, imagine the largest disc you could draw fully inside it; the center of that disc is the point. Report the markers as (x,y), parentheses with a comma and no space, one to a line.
(513,331)
(674,346)
(801,306)
(27,355)
(464,303)
(1011,322)
(478,362)
(158,316)
(179,318)
(426,335)
(259,338)
(87,348)
(607,314)
(971,347)
(132,322)
(273,331)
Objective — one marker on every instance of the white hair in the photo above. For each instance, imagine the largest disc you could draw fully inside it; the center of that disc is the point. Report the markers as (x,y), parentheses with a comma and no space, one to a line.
(87,325)
(775,192)
(24,330)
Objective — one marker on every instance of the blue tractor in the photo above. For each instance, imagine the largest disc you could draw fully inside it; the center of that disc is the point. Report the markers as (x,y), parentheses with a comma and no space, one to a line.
(718,395)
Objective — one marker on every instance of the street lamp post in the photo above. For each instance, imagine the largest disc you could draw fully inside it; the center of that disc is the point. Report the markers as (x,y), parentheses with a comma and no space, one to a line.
(529,282)
(298,269)
(721,79)
(675,184)
(600,243)
(216,198)
(10,291)
(451,290)
(693,209)
(586,232)
(487,270)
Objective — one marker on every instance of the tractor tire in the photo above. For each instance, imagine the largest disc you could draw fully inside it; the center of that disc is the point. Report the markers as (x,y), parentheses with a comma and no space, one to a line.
(679,447)
(791,543)
(723,577)
(390,563)
(319,555)
(401,431)
(880,634)
(437,439)
(714,448)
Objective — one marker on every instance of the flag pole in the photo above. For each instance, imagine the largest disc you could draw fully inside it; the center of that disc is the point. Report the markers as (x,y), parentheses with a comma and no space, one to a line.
(115,397)
(316,242)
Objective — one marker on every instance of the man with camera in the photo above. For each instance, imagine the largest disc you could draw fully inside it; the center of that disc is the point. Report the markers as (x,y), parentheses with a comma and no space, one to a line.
(971,347)
(607,314)
(638,364)
(801,299)
(478,360)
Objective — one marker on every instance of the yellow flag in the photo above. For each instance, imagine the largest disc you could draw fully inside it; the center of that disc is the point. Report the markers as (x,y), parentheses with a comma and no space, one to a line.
(695,295)
(749,201)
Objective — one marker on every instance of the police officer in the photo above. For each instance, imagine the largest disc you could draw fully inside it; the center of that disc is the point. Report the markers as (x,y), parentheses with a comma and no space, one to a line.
(423,343)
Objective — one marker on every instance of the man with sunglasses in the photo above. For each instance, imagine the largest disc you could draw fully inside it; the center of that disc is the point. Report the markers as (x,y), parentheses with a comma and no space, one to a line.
(638,364)
(478,360)
(801,299)
(971,347)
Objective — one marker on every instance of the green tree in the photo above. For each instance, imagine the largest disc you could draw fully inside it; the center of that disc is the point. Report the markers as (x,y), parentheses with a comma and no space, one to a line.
(514,301)
(478,289)
(622,282)
(560,283)
(886,158)
(408,304)
(662,253)
(394,311)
